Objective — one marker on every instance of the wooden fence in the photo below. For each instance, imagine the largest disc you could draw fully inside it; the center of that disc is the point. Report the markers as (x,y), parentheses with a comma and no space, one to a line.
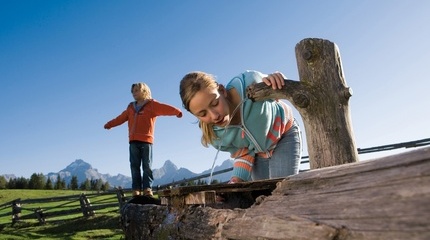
(64,206)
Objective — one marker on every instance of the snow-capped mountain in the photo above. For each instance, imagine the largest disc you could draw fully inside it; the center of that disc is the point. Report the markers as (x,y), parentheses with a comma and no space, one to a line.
(168,173)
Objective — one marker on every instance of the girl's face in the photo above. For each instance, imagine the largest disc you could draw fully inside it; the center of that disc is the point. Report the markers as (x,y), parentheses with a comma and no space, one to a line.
(210,105)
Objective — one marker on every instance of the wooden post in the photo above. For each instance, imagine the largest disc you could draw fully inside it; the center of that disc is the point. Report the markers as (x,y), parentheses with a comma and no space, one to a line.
(83,207)
(16,210)
(321,97)
(86,206)
(121,197)
(40,215)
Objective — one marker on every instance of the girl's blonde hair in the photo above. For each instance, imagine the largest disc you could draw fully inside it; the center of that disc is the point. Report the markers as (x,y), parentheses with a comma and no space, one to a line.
(189,86)
(143,88)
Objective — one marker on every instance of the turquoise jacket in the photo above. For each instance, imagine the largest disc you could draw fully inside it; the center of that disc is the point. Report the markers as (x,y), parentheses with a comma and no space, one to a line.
(262,125)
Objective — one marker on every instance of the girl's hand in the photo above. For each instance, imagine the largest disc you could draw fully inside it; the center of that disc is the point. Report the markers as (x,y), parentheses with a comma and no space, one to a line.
(276,80)
(235,180)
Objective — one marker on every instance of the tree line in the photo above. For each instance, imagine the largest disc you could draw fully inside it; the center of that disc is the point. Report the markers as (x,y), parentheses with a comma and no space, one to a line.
(39,181)
(198,182)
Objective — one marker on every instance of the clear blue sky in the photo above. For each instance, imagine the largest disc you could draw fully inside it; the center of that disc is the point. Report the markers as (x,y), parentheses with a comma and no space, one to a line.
(66,68)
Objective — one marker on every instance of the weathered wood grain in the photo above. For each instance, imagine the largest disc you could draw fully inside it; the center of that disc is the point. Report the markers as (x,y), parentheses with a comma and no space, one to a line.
(240,195)
(387,198)
(322,99)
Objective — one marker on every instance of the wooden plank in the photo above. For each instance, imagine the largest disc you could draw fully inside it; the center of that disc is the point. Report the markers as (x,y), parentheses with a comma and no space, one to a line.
(196,198)
(291,227)
(205,197)
(387,198)
(238,195)
(268,184)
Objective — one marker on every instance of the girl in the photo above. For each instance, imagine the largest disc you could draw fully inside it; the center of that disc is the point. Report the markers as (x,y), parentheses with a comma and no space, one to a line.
(262,137)
(141,115)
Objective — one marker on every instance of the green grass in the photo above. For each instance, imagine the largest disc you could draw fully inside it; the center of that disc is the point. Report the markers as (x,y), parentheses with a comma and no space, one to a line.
(105,224)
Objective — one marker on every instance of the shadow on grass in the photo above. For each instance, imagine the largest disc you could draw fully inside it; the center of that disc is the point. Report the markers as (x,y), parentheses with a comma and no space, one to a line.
(96,227)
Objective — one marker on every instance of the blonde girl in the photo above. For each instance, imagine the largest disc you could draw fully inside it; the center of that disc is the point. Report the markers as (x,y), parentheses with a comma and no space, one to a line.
(262,137)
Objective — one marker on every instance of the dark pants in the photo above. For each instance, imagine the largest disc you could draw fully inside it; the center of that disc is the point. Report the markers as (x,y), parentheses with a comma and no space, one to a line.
(141,155)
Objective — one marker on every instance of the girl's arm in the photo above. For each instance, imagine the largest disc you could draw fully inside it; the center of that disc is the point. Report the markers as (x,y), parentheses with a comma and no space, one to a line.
(242,166)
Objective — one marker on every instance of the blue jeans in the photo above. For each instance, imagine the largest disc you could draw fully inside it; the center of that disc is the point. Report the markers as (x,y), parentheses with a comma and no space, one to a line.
(285,159)
(141,155)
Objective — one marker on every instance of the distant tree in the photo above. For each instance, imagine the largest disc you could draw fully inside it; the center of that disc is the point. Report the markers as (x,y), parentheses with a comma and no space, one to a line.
(96,184)
(74,183)
(21,183)
(201,182)
(3,182)
(32,181)
(214,181)
(191,183)
(93,184)
(48,184)
(100,185)
(42,181)
(183,183)
(86,185)
(63,184)
(37,181)
(11,184)
(58,182)
(105,186)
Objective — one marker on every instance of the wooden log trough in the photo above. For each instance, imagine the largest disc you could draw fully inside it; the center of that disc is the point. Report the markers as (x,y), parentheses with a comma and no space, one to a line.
(385,198)
(339,198)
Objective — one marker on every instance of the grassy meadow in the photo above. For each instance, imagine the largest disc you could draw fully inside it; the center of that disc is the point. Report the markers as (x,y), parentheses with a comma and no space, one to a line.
(105,224)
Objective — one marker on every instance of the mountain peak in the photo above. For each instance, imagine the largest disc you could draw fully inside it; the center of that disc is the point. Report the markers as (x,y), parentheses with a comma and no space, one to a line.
(169,165)
(78,164)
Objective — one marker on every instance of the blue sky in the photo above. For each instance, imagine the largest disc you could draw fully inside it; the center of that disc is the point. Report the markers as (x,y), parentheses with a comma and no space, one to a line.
(66,68)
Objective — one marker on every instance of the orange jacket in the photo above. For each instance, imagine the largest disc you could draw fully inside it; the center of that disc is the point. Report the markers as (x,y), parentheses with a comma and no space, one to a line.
(141,124)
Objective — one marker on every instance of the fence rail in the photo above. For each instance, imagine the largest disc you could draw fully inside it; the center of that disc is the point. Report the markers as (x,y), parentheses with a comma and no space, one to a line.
(305,159)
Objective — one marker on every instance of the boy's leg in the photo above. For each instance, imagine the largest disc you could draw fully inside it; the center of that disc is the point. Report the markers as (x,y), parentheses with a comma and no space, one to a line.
(135,161)
(147,177)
